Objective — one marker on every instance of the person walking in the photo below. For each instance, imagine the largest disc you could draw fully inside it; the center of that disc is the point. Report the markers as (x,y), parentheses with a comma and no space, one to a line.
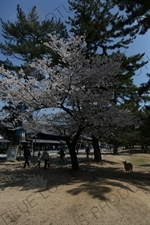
(26,154)
(45,157)
(87,151)
(38,160)
(62,154)
(77,150)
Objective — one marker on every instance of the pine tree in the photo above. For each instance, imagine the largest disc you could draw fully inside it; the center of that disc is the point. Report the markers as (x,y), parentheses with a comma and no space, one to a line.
(137,11)
(24,38)
(106,31)
(144,129)
(100,23)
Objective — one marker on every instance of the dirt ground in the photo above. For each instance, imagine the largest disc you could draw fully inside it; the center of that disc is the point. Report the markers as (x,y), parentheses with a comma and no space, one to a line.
(97,194)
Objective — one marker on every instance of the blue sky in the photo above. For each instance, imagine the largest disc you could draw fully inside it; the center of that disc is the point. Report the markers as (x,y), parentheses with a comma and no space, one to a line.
(59,9)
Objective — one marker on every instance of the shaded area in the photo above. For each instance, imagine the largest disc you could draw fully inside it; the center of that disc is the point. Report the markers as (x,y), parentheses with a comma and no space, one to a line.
(145,165)
(97,180)
(132,151)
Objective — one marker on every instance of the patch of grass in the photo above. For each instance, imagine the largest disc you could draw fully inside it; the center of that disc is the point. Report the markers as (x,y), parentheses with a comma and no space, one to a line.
(139,161)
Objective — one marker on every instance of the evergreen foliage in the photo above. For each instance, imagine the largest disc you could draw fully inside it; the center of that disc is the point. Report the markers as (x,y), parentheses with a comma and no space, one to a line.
(137,11)
(108,26)
(24,39)
(101,23)
(107,29)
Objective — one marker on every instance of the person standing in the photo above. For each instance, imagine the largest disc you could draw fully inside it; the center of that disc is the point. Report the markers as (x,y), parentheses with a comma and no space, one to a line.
(38,160)
(26,155)
(62,154)
(45,157)
(87,151)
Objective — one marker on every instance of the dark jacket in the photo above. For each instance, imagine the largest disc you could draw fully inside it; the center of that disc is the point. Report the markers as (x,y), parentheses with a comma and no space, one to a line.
(26,152)
(62,154)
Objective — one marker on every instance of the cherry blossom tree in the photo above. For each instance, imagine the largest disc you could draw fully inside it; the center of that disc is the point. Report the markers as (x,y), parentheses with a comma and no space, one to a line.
(78,89)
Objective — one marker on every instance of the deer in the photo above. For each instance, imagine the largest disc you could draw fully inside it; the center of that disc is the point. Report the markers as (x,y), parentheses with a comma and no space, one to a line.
(128,167)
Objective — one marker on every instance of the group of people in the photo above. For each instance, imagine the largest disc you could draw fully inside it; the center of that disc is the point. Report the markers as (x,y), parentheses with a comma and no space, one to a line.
(44,157)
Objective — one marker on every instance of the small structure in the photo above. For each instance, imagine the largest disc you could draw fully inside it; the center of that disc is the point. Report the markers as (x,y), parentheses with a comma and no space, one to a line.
(44,140)
(3,144)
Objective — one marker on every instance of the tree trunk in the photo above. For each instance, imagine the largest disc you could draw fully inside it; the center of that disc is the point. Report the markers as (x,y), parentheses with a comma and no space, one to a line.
(142,146)
(97,152)
(115,149)
(71,143)
(74,160)
(145,148)
(16,140)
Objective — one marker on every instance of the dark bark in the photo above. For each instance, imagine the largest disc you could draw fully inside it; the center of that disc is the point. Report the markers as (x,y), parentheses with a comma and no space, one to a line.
(16,139)
(115,149)
(142,146)
(97,152)
(74,160)
(145,148)
(71,145)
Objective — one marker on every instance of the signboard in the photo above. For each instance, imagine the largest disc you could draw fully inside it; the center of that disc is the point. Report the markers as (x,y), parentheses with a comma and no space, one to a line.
(11,153)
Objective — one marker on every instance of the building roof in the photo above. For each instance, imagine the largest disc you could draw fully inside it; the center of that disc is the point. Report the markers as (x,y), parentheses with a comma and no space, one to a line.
(3,139)
(47,141)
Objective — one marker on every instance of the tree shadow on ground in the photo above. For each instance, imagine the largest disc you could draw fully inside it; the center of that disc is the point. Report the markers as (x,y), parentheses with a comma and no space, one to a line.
(104,161)
(145,165)
(97,181)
